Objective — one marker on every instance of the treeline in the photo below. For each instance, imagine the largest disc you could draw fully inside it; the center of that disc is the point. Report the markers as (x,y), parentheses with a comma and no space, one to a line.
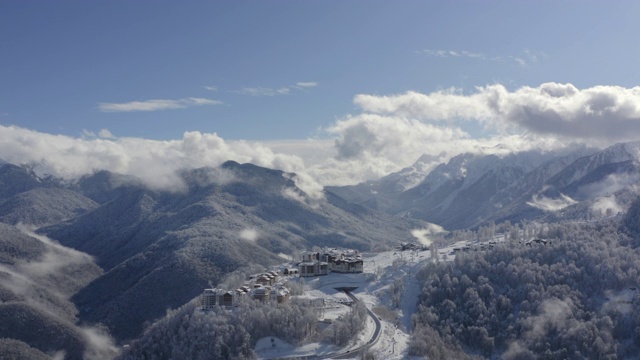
(574,298)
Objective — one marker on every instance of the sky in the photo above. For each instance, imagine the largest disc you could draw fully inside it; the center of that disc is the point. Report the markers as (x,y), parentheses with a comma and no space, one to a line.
(340,91)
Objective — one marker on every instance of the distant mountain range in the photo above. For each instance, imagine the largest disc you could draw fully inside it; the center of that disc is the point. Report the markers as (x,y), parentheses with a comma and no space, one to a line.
(153,250)
(474,189)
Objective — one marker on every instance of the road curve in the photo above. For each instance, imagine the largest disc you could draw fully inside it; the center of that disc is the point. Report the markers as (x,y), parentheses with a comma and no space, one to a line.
(357,351)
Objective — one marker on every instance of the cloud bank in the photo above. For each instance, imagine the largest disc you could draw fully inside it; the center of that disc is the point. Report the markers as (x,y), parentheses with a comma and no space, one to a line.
(156,163)
(369,145)
(387,134)
(601,113)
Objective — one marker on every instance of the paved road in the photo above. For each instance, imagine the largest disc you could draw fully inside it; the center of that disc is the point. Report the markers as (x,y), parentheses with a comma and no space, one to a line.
(357,351)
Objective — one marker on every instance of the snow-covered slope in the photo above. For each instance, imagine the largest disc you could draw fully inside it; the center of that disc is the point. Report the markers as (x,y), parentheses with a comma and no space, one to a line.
(176,243)
(44,206)
(472,189)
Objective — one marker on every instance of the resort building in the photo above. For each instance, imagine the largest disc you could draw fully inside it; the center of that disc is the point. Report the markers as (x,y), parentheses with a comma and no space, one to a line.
(331,260)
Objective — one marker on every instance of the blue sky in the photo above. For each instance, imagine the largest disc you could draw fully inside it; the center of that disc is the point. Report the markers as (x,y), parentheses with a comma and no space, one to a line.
(62,59)
(341,91)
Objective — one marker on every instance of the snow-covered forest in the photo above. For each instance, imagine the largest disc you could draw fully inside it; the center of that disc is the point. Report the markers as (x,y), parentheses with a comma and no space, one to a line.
(574,298)
(221,333)
(571,295)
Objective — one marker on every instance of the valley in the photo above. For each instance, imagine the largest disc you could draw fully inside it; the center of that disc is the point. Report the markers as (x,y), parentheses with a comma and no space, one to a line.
(97,252)
(365,180)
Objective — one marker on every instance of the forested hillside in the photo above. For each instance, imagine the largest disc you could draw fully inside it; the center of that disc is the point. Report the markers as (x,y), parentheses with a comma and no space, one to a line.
(571,298)
(37,278)
(160,248)
(219,333)
(574,298)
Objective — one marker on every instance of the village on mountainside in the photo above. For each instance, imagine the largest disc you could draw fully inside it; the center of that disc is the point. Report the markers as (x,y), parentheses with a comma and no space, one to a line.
(269,286)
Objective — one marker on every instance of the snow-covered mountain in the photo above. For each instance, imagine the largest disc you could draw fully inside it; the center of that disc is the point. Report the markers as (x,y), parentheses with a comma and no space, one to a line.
(472,189)
(159,249)
(44,206)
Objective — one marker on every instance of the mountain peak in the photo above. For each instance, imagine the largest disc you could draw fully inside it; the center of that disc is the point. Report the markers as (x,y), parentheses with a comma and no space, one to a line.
(230,164)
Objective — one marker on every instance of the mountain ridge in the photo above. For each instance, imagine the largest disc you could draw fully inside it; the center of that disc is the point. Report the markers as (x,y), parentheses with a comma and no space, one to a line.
(474,189)
(220,219)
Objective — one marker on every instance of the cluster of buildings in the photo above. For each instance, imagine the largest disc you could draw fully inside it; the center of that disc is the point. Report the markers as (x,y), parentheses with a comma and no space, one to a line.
(476,246)
(411,246)
(262,287)
(330,260)
(537,241)
(266,287)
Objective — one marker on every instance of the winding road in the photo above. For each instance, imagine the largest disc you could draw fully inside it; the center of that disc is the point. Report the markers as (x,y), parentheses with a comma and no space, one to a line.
(357,351)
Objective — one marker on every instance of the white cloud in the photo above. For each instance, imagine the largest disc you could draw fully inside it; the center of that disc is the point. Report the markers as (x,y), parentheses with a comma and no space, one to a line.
(293,195)
(88,133)
(210,87)
(99,344)
(520,61)
(606,205)
(56,257)
(609,185)
(29,276)
(106,134)
(261,91)
(453,53)
(369,146)
(371,134)
(606,114)
(285,90)
(525,58)
(555,314)
(250,235)
(389,134)
(534,56)
(313,151)
(364,147)
(619,301)
(425,235)
(548,204)
(516,350)
(156,105)
(307,84)
(155,162)
(103,133)
(446,105)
